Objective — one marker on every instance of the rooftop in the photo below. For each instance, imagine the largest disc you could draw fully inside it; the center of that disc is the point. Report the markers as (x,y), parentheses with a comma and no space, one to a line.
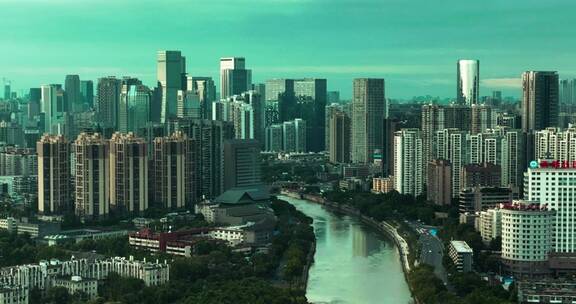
(461,247)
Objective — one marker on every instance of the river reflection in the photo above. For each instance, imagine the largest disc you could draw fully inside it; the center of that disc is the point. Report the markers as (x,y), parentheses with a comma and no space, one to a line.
(353,264)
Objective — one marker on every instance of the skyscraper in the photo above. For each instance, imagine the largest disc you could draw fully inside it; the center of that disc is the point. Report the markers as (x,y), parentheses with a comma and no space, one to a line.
(128,174)
(540,106)
(483,118)
(539,100)
(210,136)
(408,177)
(468,81)
(294,136)
(368,113)
(87,92)
(72,88)
(340,126)
(311,98)
(171,70)
(54,181)
(206,91)
(92,169)
(274,138)
(107,100)
(234,77)
(241,163)
(134,108)
(54,105)
(568,94)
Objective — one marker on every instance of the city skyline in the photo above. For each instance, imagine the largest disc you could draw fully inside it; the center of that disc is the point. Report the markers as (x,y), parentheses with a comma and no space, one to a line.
(318,44)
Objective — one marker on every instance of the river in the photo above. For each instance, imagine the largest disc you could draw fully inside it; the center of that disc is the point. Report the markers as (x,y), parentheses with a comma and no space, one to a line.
(353,264)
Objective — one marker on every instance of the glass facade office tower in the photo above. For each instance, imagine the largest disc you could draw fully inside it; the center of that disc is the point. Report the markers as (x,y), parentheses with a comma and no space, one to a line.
(72,88)
(54,105)
(368,113)
(134,109)
(87,92)
(468,81)
(234,78)
(171,68)
(540,106)
(539,100)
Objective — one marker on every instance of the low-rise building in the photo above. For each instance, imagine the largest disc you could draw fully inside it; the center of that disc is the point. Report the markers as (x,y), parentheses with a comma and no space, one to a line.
(547,291)
(383,184)
(50,273)
(88,288)
(461,255)
(477,199)
(36,229)
(13,294)
(490,224)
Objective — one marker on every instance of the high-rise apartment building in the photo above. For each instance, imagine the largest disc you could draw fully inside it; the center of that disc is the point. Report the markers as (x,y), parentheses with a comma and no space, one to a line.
(107,101)
(368,114)
(483,118)
(171,71)
(241,163)
(128,174)
(173,169)
(72,88)
(274,138)
(451,145)
(408,177)
(54,181)
(439,185)
(467,81)
(556,143)
(340,127)
(436,118)
(294,136)
(210,136)
(234,77)
(92,176)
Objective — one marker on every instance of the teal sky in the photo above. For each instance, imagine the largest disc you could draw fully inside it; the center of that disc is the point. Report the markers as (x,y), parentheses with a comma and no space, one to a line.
(414,44)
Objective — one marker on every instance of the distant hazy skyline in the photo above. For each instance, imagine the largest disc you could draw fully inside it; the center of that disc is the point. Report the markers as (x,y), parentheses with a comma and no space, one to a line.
(414,45)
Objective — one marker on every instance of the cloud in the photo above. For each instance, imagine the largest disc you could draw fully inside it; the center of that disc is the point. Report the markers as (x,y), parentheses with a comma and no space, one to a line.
(514,83)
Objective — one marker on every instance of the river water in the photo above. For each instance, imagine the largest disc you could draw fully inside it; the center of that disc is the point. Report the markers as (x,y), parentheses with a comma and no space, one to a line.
(353,264)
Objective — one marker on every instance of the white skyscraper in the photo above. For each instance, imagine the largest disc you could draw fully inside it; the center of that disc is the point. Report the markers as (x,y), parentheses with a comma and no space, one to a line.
(468,81)
(552,183)
(408,178)
(556,143)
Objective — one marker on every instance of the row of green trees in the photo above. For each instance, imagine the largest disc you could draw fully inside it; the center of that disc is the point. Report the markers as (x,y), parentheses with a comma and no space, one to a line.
(215,274)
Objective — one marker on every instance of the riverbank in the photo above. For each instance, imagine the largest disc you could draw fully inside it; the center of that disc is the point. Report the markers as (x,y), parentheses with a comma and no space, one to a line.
(383,227)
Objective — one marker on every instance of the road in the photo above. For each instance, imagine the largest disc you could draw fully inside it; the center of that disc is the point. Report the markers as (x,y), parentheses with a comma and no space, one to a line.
(432,249)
